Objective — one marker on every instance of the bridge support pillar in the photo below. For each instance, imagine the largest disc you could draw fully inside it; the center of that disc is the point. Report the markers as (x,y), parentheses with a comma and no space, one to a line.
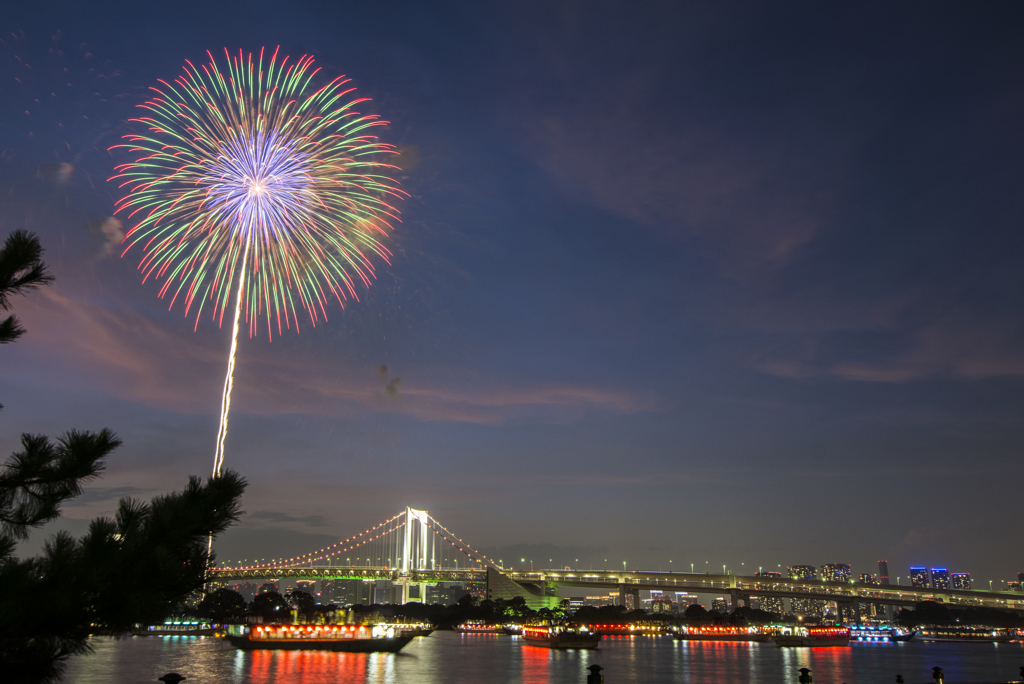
(632,594)
(735,597)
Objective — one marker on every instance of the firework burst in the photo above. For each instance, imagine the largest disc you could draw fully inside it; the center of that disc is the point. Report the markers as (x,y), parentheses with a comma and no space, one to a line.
(249,181)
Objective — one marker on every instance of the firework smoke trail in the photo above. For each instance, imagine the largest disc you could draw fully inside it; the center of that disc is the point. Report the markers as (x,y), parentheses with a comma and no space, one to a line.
(249,177)
(229,379)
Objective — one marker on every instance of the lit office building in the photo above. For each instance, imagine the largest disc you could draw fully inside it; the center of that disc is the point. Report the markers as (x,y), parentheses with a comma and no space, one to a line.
(684,600)
(721,604)
(836,572)
(346,592)
(808,608)
(919,577)
(772,604)
(801,572)
(269,586)
(961,580)
(306,585)
(883,572)
(447,594)
(868,578)
(940,578)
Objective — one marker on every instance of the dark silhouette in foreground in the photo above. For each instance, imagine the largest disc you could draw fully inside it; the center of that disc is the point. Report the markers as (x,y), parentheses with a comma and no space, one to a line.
(136,567)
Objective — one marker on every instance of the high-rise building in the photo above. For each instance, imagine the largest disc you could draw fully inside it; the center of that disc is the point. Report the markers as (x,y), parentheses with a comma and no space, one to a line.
(883,572)
(772,604)
(919,577)
(306,585)
(808,607)
(940,578)
(961,580)
(346,592)
(1020,577)
(836,572)
(868,578)
(721,604)
(801,572)
(272,585)
(446,594)
(1013,586)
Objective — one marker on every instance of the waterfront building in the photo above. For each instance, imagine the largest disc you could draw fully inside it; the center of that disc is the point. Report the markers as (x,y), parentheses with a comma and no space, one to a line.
(883,572)
(598,601)
(836,572)
(961,580)
(446,594)
(940,578)
(721,604)
(919,577)
(801,572)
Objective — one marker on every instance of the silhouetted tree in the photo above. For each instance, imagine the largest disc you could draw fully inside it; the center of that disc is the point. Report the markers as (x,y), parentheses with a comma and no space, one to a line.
(21,270)
(303,602)
(270,606)
(223,605)
(133,568)
(696,613)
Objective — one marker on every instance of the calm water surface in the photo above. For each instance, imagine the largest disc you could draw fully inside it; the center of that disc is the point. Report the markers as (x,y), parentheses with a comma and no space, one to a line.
(448,657)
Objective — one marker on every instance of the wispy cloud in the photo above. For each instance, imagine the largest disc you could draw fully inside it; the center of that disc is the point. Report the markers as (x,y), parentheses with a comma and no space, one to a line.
(169,367)
(277,517)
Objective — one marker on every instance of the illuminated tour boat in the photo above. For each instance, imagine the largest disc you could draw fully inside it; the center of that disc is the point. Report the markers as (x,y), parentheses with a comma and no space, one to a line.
(878,634)
(977,634)
(626,629)
(178,628)
(479,627)
(561,636)
(814,636)
(350,638)
(720,633)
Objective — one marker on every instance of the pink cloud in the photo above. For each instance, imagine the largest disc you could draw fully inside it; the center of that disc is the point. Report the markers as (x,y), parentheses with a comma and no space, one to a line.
(127,355)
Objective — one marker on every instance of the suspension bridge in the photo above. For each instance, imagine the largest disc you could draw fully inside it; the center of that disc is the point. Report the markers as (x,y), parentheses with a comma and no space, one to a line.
(412,549)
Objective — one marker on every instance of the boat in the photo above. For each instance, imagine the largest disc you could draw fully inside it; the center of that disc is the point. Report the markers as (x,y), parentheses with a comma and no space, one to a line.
(720,633)
(626,629)
(815,637)
(879,634)
(415,629)
(178,628)
(347,638)
(561,636)
(478,627)
(964,634)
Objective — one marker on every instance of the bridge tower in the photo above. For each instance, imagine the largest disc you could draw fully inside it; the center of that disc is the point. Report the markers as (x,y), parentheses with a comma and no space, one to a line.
(417,554)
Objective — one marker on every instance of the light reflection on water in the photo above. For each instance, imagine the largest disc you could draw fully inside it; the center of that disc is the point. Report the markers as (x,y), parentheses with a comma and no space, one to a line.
(447,658)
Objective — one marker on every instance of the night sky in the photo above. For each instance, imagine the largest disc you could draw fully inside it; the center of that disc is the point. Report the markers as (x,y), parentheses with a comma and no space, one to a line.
(717,283)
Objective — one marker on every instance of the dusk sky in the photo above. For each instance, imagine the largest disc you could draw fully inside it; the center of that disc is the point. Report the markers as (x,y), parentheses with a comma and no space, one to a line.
(713,283)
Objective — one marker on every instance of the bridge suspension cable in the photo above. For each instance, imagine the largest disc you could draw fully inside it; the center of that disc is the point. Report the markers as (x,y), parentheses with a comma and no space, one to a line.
(388,544)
